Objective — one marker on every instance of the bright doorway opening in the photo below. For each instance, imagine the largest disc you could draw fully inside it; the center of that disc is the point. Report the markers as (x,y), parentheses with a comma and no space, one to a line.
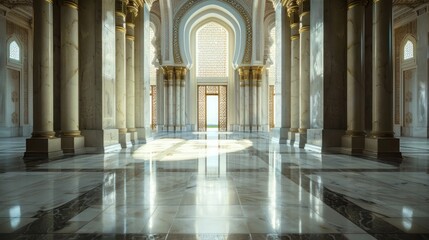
(212,113)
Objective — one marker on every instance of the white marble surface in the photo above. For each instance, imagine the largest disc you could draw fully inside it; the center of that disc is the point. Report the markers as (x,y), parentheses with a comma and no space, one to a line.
(217,183)
(69,70)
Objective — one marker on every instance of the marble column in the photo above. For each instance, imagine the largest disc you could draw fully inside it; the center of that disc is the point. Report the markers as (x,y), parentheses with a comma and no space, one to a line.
(121,97)
(241,73)
(254,99)
(132,10)
(381,142)
(177,105)
(256,75)
(304,73)
(166,99)
(169,98)
(246,99)
(293,12)
(183,99)
(43,143)
(245,73)
(71,139)
(354,140)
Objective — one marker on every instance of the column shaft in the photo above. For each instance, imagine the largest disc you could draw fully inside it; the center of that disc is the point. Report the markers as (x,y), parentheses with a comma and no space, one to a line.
(382,118)
(182,100)
(254,91)
(304,73)
(43,70)
(293,11)
(178,106)
(355,82)
(69,69)
(381,142)
(241,99)
(130,80)
(43,144)
(120,74)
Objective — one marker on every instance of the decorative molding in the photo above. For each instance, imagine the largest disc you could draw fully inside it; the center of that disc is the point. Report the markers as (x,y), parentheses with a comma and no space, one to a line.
(191,3)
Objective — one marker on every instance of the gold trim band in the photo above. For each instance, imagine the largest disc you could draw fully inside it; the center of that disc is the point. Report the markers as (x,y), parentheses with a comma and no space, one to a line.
(353,4)
(130,37)
(49,1)
(120,29)
(294,25)
(304,29)
(70,4)
(121,14)
(303,14)
(294,37)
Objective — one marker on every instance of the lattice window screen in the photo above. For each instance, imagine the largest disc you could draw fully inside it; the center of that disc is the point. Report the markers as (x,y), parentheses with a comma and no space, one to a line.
(153,93)
(408,50)
(212,51)
(221,91)
(14,51)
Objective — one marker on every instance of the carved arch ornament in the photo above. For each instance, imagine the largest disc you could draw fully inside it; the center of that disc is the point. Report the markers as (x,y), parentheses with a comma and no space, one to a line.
(247,57)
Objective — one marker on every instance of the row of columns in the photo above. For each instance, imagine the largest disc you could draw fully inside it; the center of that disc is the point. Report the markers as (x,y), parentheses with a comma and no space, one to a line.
(126,13)
(380,140)
(250,97)
(299,17)
(174,98)
(44,143)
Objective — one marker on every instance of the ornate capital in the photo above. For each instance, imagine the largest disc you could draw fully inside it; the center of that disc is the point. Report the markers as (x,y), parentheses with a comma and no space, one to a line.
(293,12)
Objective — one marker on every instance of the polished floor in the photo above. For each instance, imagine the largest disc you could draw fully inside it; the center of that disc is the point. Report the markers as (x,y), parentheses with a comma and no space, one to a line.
(214,186)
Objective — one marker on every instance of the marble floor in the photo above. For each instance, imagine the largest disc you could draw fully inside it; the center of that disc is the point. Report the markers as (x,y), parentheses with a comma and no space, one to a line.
(214,186)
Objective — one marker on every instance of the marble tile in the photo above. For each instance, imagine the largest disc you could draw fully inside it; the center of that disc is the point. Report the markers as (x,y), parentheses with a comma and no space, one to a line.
(229,186)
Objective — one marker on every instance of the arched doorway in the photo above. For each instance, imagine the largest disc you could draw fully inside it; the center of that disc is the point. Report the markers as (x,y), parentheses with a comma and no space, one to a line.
(212,72)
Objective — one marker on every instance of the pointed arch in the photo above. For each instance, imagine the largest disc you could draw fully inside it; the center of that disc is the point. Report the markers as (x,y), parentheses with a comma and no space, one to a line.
(230,12)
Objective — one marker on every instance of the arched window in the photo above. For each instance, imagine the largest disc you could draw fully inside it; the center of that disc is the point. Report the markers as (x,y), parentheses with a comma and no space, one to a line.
(408,50)
(14,51)
(212,51)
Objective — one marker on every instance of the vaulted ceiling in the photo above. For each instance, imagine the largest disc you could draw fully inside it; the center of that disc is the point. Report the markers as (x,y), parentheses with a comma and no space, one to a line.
(15,3)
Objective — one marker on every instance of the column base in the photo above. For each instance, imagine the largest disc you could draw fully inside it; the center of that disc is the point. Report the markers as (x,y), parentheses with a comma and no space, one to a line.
(352,145)
(144,135)
(246,128)
(280,135)
(101,141)
(324,140)
(125,140)
(133,138)
(300,140)
(383,148)
(43,148)
(171,129)
(73,145)
(291,139)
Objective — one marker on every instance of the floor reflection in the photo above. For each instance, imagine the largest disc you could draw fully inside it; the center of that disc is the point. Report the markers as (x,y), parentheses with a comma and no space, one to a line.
(216,186)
